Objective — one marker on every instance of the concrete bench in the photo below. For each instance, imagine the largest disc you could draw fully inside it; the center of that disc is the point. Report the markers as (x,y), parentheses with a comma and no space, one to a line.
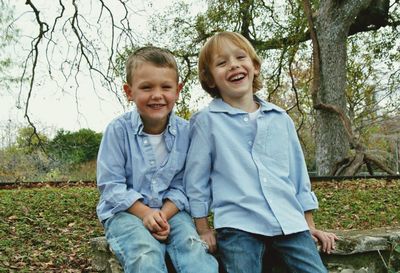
(368,251)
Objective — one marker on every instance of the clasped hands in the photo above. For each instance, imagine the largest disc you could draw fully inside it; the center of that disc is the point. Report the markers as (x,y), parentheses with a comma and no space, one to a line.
(156,222)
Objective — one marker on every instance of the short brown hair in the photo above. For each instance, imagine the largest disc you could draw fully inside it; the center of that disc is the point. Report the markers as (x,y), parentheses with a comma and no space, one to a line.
(160,57)
(214,44)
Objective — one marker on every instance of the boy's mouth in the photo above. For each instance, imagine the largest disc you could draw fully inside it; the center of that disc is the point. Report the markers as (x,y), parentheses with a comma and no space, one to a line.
(156,106)
(237,77)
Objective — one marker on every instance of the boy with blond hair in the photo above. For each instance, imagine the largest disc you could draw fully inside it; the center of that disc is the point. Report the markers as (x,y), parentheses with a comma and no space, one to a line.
(246,164)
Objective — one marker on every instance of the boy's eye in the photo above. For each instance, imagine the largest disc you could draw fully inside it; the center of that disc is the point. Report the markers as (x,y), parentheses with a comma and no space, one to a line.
(220,63)
(241,57)
(145,87)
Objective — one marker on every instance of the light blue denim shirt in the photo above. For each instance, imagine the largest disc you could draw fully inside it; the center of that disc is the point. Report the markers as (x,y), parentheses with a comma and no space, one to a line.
(127,169)
(253,180)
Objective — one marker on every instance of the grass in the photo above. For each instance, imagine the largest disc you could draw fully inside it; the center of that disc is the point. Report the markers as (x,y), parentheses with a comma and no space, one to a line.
(48,229)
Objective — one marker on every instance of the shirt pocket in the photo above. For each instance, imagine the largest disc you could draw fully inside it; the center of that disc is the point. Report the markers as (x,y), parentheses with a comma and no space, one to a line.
(173,167)
(176,162)
(276,151)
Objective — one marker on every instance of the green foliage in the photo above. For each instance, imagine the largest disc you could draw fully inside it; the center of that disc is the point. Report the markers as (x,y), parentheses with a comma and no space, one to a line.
(17,165)
(33,157)
(75,147)
(29,141)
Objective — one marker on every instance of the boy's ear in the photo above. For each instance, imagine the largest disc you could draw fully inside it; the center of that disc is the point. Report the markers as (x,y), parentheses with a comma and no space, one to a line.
(180,87)
(211,82)
(256,69)
(128,92)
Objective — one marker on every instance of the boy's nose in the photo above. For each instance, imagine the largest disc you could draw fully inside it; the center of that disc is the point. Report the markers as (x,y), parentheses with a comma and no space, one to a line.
(234,65)
(156,94)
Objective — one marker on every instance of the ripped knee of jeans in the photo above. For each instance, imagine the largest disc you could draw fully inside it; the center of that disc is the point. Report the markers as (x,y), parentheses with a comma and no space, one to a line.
(194,240)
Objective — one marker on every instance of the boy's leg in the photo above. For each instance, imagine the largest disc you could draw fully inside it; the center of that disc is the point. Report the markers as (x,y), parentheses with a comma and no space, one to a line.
(299,252)
(187,252)
(136,249)
(241,252)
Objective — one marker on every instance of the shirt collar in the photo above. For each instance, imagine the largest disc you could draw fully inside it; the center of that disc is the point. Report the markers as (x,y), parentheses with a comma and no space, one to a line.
(137,124)
(218,105)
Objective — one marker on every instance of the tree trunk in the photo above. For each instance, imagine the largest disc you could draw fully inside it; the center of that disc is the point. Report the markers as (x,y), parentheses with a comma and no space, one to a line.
(332,28)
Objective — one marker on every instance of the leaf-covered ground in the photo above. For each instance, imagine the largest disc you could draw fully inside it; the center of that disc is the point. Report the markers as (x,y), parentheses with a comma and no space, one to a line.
(48,229)
(361,204)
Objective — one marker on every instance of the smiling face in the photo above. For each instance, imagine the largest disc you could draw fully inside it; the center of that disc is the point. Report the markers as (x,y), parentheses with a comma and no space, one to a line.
(154,90)
(232,71)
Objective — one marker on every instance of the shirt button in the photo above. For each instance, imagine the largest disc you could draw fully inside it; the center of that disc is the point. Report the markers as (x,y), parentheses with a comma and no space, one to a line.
(246,119)
(153,181)
(265,180)
(250,142)
(145,141)
(151,162)
(173,131)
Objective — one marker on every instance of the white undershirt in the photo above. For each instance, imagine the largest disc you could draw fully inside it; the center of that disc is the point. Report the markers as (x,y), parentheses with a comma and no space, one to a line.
(159,148)
(253,118)
(254,115)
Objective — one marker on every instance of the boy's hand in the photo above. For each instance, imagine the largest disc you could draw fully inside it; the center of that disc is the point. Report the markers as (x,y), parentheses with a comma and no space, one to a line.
(325,239)
(208,236)
(161,235)
(155,221)
(206,233)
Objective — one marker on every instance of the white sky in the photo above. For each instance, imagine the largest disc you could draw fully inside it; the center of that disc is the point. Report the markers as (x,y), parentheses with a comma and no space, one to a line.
(50,109)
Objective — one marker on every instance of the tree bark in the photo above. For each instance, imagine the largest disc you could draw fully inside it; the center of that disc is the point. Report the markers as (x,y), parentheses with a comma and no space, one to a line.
(332,28)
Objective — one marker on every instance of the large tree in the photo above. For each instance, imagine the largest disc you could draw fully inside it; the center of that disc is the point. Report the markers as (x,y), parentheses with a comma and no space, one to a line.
(335,135)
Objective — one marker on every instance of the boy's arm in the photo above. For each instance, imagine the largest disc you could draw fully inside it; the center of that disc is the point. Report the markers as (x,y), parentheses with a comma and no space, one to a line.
(325,239)
(197,179)
(169,209)
(111,173)
(176,193)
(298,173)
(206,233)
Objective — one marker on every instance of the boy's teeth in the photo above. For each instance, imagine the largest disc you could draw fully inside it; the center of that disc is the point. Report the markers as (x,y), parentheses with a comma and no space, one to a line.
(237,77)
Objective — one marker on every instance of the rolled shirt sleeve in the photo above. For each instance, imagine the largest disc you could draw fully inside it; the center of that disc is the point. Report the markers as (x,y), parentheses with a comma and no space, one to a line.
(298,172)
(197,171)
(111,175)
(176,193)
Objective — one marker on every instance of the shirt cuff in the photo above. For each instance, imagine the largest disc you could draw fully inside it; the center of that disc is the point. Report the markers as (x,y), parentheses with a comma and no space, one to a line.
(129,200)
(307,200)
(178,198)
(199,209)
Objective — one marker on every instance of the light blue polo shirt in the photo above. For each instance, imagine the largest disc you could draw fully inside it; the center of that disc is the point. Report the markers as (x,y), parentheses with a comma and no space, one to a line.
(127,169)
(254,178)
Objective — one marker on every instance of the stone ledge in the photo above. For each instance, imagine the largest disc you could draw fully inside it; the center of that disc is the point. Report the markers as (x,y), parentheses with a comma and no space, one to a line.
(360,241)
(356,252)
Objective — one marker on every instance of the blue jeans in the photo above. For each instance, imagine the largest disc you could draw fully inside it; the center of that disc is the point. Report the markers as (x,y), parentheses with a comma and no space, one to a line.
(139,252)
(243,252)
